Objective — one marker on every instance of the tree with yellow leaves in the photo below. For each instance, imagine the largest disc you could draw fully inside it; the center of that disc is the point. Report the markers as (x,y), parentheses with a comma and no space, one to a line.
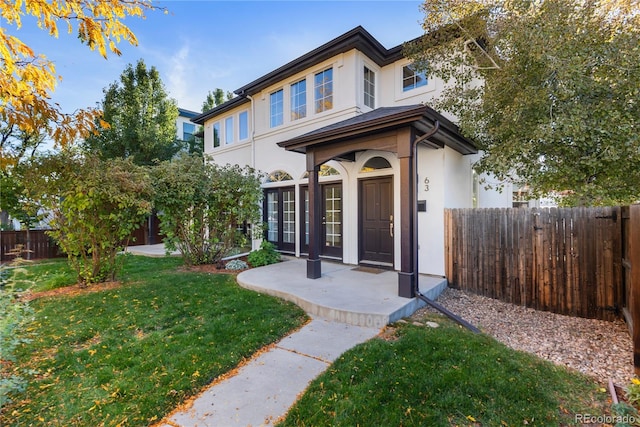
(28,78)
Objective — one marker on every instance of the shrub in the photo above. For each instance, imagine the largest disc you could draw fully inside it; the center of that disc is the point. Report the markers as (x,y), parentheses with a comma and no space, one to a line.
(266,255)
(236,264)
(203,207)
(14,315)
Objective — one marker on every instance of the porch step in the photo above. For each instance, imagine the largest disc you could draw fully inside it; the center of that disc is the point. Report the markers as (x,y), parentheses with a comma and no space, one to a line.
(342,294)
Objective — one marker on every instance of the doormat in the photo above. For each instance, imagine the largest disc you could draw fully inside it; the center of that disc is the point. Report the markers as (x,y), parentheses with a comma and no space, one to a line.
(371,270)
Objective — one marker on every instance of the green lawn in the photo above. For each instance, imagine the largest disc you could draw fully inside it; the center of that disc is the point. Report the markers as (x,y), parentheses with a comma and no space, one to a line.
(128,356)
(444,376)
(44,275)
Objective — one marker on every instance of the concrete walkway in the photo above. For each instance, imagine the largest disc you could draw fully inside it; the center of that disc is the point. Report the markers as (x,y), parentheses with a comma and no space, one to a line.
(265,388)
(348,305)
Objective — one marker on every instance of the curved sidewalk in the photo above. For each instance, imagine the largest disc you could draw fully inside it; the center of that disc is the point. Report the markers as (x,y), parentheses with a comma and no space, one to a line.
(348,306)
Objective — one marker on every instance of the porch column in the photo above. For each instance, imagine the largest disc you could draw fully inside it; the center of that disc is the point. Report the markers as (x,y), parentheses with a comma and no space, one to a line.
(314,268)
(407,275)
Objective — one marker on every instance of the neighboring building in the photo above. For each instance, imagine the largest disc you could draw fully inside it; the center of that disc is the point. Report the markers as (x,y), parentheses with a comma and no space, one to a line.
(185,127)
(334,131)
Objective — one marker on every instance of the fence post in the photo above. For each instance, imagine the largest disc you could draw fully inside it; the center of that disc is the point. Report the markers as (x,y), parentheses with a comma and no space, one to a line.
(634,294)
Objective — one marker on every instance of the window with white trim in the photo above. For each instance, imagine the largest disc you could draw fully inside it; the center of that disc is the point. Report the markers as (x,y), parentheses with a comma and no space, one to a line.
(216,134)
(228,130)
(276,108)
(369,88)
(412,79)
(323,90)
(299,100)
(243,125)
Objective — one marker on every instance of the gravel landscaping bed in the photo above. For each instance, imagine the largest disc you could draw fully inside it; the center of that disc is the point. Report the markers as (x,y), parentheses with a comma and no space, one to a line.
(597,348)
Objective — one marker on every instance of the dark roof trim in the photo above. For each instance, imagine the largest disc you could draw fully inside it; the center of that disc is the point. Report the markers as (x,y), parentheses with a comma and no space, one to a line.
(421,117)
(186,113)
(234,102)
(358,38)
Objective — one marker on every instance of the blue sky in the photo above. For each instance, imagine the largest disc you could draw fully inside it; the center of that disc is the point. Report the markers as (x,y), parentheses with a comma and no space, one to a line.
(201,45)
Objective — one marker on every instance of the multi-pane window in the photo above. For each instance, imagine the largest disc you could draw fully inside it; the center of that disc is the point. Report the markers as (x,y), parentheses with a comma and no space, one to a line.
(272,216)
(276,108)
(243,125)
(216,134)
(333,218)
(412,79)
(299,100)
(228,130)
(288,217)
(369,88)
(323,90)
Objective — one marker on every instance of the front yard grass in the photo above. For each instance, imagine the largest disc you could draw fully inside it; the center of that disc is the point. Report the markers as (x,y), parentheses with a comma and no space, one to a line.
(129,355)
(444,376)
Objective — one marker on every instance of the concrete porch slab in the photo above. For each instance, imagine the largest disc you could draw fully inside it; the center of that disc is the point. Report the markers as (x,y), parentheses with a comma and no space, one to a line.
(342,294)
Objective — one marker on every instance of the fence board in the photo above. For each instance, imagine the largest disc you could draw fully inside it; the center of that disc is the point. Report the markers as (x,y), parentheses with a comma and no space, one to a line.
(631,276)
(563,260)
(36,240)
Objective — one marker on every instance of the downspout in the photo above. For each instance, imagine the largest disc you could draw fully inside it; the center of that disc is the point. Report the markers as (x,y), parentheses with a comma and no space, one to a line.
(253,132)
(253,147)
(454,317)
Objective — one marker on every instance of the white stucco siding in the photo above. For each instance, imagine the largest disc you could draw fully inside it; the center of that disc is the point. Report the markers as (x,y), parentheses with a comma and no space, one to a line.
(488,196)
(459,179)
(431,167)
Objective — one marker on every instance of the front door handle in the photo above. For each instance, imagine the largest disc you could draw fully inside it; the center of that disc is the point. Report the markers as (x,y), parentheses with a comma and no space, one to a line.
(391,225)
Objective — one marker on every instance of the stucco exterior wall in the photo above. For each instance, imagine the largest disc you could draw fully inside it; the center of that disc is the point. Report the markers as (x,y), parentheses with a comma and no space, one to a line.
(444,175)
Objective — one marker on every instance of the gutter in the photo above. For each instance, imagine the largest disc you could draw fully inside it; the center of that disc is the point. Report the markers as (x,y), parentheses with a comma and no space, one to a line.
(416,284)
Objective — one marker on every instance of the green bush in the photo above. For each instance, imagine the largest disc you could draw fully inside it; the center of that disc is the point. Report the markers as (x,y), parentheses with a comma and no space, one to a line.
(266,255)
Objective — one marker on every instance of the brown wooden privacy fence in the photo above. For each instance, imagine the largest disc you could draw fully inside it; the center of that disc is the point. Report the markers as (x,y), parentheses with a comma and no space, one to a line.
(42,245)
(564,260)
(631,276)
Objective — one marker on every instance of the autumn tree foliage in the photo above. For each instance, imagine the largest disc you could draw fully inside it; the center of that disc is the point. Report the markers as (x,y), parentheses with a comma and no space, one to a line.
(28,78)
(548,89)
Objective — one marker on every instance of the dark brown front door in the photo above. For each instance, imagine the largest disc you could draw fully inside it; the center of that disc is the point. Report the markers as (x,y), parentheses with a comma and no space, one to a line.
(376,221)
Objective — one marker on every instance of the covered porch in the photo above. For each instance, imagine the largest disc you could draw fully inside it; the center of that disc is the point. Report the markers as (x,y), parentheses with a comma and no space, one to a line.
(396,130)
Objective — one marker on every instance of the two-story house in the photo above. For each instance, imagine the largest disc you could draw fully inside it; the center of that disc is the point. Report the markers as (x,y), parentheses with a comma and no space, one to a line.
(359,167)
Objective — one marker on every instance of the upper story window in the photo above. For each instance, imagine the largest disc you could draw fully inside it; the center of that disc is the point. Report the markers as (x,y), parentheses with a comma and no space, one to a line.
(299,100)
(412,79)
(188,129)
(369,88)
(216,134)
(243,125)
(276,108)
(228,130)
(323,90)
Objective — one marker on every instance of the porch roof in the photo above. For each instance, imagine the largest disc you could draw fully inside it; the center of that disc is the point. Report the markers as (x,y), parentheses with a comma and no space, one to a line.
(421,117)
